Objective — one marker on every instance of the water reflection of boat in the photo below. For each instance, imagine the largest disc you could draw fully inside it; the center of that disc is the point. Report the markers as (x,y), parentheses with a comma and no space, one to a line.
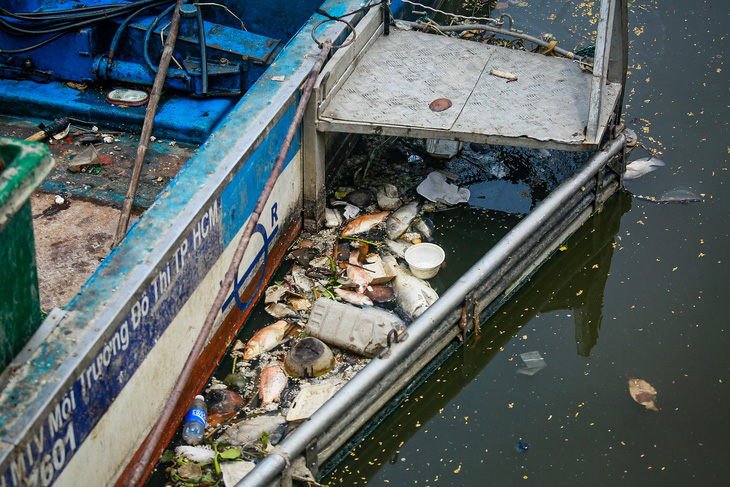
(579,278)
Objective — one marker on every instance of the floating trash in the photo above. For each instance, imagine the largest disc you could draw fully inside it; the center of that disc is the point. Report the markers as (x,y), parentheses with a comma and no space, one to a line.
(533,363)
(521,447)
(435,188)
(310,399)
(310,357)
(387,196)
(360,197)
(349,211)
(361,330)
(425,259)
(415,158)
(679,195)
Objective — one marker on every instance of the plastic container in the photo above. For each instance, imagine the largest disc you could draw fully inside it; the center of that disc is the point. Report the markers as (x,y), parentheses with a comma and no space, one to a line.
(360,330)
(425,259)
(194,424)
(23,165)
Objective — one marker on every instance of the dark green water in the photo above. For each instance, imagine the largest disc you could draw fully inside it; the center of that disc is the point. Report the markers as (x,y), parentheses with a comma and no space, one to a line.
(642,289)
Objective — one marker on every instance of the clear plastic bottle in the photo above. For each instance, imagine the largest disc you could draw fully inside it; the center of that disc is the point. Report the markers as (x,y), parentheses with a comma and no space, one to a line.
(194,424)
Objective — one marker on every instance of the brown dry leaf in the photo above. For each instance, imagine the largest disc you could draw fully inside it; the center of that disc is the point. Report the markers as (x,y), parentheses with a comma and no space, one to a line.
(642,392)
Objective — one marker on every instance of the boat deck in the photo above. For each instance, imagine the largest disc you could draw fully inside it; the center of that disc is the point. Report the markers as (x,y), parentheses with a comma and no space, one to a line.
(73,237)
(401,74)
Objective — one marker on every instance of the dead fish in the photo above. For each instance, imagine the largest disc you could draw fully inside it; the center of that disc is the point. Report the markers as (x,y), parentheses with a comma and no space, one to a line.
(642,166)
(265,339)
(642,392)
(414,295)
(198,454)
(424,226)
(275,293)
(301,281)
(273,381)
(279,310)
(352,297)
(364,223)
(400,219)
(248,432)
(356,273)
(398,247)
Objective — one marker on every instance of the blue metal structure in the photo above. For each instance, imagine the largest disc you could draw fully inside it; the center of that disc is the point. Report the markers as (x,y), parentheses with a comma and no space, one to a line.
(106,44)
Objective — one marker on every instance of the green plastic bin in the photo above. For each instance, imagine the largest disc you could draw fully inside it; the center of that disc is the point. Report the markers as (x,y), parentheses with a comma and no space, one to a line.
(23,165)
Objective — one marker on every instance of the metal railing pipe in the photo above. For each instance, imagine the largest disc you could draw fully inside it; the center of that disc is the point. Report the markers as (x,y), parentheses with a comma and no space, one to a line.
(293,445)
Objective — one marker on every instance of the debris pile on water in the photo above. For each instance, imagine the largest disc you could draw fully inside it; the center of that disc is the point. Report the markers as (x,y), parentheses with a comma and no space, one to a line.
(346,297)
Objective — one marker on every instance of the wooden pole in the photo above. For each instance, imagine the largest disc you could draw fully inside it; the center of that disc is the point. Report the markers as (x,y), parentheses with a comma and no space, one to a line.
(149,119)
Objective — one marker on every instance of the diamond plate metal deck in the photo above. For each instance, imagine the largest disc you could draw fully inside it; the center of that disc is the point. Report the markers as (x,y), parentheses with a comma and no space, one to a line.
(390,90)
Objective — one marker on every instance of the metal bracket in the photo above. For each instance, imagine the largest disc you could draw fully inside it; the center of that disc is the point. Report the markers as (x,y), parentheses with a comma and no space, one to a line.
(393,337)
(618,163)
(470,315)
(311,457)
(598,188)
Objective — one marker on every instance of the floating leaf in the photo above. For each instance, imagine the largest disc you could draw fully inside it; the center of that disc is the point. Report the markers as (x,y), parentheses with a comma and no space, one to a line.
(167,457)
(642,392)
(231,454)
(190,471)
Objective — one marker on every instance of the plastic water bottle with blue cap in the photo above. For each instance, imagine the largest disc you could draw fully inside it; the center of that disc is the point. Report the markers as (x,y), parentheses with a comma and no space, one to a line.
(195,419)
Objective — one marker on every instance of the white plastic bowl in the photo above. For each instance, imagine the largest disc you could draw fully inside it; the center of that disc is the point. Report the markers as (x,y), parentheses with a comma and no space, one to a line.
(425,259)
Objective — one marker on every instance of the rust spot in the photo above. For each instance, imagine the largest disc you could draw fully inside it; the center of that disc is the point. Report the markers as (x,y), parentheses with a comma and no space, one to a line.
(440,104)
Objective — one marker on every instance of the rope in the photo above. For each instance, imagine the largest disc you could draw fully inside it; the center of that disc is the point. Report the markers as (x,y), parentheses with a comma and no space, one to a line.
(278,450)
